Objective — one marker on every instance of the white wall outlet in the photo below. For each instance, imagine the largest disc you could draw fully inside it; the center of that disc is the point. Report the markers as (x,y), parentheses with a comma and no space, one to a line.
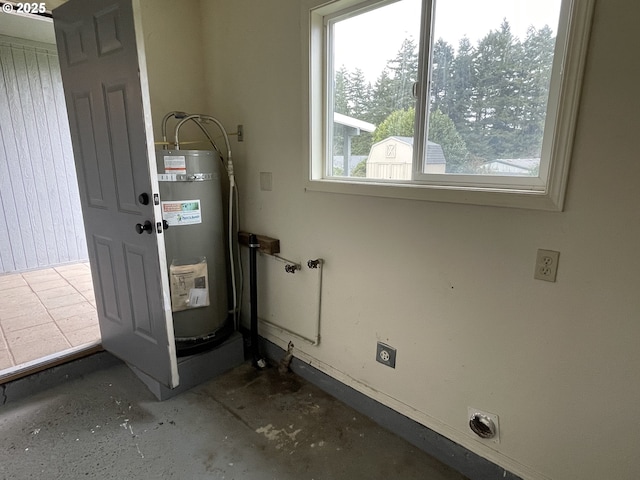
(546,265)
(484,424)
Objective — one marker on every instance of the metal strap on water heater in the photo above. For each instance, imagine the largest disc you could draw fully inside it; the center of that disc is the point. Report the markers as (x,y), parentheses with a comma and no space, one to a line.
(183,177)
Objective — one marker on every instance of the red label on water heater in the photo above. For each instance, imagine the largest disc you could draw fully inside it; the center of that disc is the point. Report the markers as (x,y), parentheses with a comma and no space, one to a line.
(175,164)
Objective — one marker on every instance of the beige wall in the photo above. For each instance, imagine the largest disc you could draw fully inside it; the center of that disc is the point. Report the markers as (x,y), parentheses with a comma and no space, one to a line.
(174,53)
(453,290)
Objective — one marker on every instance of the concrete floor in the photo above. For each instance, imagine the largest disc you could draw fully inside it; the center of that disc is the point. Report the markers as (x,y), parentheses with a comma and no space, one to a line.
(45,312)
(245,425)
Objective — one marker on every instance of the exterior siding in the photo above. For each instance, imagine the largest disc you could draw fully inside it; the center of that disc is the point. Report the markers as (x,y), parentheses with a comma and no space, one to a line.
(40,213)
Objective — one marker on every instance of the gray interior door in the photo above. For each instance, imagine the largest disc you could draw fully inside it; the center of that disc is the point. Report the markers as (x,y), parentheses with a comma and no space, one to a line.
(104,78)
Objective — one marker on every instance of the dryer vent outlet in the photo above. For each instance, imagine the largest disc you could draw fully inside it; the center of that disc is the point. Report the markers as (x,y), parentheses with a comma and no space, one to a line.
(485,425)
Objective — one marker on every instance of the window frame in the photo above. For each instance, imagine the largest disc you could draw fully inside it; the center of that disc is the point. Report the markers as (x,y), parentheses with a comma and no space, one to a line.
(546,194)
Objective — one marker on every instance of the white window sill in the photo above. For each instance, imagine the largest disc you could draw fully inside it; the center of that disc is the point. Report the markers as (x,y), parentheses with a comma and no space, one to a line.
(471,196)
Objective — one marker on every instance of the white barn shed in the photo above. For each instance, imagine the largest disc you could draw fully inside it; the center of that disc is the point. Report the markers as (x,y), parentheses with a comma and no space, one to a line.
(392,159)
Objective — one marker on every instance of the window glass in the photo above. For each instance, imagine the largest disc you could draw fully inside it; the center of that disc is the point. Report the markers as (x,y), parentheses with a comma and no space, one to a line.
(489,73)
(490,76)
(375,65)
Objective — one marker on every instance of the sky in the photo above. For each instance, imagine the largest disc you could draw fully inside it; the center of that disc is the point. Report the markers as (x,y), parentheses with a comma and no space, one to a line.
(367,41)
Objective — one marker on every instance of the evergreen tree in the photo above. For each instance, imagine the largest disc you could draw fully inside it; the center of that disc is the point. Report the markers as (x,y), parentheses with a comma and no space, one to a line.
(383,101)
(443,132)
(340,102)
(442,87)
(359,100)
(404,72)
(352,97)
(537,59)
(340,105)
(358,93)
(462,80)
(496,105)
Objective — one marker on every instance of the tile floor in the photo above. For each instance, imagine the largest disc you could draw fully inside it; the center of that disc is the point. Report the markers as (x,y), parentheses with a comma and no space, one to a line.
(46,311)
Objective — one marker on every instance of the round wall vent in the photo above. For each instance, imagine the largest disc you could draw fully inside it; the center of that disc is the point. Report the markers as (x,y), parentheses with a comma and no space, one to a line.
(482,425)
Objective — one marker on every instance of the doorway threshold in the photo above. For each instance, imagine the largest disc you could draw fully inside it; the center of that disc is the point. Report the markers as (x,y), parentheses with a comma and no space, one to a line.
(59,358)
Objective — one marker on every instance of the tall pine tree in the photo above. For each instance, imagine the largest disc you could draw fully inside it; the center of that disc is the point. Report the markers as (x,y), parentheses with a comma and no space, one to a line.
(495,104)
(537,59)
(404,73)
(462,79)
(442,77)
(383,101)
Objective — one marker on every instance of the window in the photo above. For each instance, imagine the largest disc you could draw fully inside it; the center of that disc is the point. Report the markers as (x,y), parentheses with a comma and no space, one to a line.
(413,99)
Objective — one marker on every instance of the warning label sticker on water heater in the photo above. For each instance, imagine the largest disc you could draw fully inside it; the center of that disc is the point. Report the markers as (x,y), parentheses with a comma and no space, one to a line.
(183,212)
(175,164)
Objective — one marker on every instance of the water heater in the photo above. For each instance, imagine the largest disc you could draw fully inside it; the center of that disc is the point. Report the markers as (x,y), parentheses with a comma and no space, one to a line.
(191,200)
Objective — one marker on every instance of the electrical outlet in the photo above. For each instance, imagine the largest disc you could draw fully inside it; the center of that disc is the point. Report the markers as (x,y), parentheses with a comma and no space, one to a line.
(240,133)
(386,355)
(546,265)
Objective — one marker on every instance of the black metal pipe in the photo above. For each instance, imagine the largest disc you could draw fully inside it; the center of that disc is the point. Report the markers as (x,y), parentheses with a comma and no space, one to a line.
(258,361)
